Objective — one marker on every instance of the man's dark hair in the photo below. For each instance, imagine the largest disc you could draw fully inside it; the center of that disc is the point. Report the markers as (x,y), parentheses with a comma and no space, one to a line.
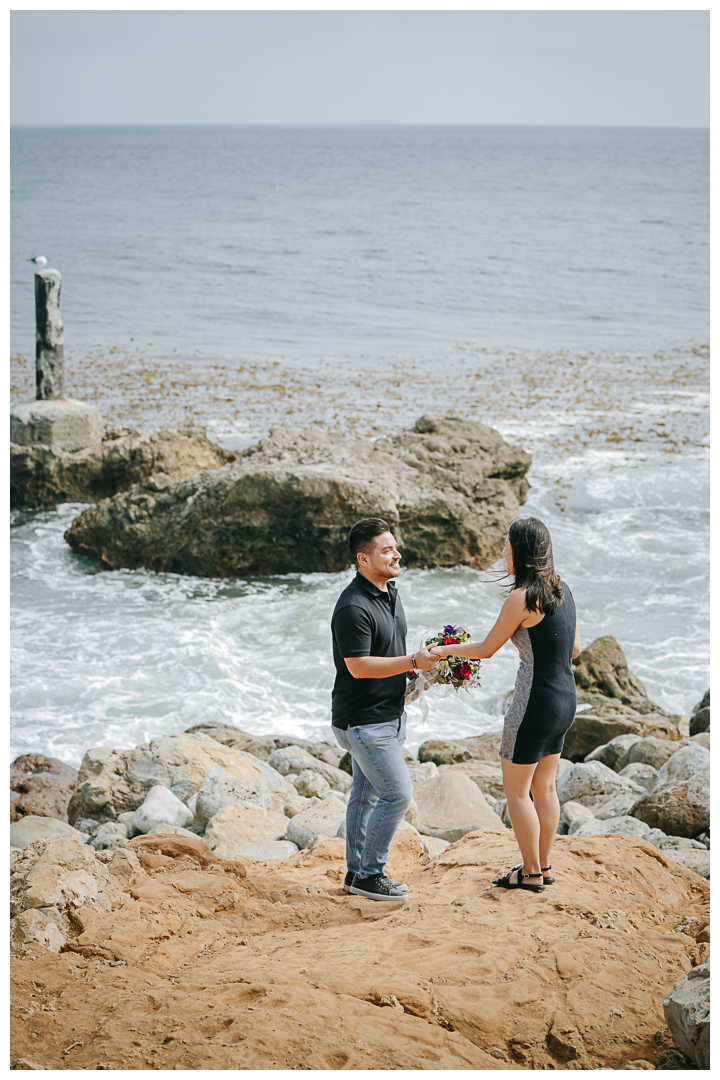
(364,532)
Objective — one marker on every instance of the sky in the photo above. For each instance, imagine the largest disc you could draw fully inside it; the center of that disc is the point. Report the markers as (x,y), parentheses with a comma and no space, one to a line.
(634,68)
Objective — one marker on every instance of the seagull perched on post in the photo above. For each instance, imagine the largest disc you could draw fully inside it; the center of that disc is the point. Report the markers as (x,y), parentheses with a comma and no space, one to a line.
(38,261)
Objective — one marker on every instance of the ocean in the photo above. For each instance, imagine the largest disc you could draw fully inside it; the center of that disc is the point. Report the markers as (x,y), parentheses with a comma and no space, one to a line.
(551,282)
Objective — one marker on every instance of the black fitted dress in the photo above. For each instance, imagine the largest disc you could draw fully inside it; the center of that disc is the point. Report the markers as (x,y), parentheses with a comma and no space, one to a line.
(545,700)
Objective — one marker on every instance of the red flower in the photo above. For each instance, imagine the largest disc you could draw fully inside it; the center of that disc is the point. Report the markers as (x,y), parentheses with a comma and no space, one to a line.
(463,671)
(451,641)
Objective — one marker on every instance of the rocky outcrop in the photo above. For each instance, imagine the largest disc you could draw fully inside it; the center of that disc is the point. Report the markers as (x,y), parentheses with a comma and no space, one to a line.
(700,719)
(42,476)
(31,828)
(451,805)
(448,488)
(264,746)
(687,1012)
(678,808)
(40,786)
(199,962)
(451,751)
(113,782)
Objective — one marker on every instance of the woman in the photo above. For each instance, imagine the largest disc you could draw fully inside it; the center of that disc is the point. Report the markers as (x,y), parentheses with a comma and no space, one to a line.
(539,617)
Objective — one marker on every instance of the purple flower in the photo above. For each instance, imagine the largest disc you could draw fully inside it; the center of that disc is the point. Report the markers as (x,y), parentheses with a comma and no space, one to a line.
(452,631)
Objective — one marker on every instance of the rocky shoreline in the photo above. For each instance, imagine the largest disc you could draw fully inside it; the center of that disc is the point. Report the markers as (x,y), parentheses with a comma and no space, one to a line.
(237,840)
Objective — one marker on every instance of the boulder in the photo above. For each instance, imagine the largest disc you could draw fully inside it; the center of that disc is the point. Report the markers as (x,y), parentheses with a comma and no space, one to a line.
(687,1014)
(702,739)
(294,759)
(448,752)
(647,751)
(297,805)
(31,828)
(572,811)
(411,814)
(589,782)
(113,782)
(639,773)
(161,805)
(235,826)
(175,847)
(448,488)
(688,762)
(422,771)
(700,719)
(615,805)
(309,784)
(43,475)
(610,753)
(252,783)
(451,805)
(109,836)
(487,777)
(595,827)
(695,860)
(679,809)
(40,786)
(128,820)
(324,818)
(433,845)
(602,668)
(56,877)
(264,746)
(606,720)
(677,843)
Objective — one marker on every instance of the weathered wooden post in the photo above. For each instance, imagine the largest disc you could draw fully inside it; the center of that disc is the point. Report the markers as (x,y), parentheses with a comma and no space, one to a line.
(49,337)
(52,420)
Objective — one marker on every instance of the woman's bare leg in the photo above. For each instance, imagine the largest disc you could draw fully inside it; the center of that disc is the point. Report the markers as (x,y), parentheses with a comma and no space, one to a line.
(547,804)
(523,816)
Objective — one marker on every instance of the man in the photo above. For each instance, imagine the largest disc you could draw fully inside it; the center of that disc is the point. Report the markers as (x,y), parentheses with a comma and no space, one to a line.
(368,717)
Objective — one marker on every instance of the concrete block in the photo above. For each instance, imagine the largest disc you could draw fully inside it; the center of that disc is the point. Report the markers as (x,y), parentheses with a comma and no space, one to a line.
(64,424)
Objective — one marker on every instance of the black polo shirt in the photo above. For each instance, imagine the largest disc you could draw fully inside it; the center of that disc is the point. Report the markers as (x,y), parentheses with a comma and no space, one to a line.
(367,622)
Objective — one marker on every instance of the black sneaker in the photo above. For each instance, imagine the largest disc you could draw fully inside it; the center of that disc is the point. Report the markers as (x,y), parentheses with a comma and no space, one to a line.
(350,877)
(377,887)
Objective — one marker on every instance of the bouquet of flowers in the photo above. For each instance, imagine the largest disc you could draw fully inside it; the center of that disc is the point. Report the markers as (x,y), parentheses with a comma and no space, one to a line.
(452,672)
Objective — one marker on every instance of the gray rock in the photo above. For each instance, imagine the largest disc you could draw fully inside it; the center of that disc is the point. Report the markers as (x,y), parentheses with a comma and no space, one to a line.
(31,828)
(310,783)
(294,759)
(59,426)
(235,826)
(433,845)
(647,751)
(640,773)
(421,771)
(653,836)
(628,825)
(588,782)
(679,843)
(268,849)
(697,861)
(687,1014)
(687,762)
(607,719)
(260,786)
(451,805)
(572,811)
(448,488)
(264,746)
(161,805)
(324,818)
(610,753)
(475,748)
(111,835)
(615,805)
(127,819)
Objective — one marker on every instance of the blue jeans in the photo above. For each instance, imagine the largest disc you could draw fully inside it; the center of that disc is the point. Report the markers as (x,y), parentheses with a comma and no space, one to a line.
(381,793)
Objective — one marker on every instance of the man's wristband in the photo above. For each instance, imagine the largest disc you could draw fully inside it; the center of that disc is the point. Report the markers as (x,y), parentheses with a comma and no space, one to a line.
(412,661)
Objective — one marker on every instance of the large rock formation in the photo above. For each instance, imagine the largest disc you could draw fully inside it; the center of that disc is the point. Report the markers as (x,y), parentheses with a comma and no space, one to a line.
(700,719)
(41,786)
(448,488)
(42,475)
(197,968)
(687,1011)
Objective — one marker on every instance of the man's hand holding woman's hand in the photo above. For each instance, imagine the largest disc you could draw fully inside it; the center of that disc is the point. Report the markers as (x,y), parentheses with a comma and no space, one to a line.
(440,651)
(425,659)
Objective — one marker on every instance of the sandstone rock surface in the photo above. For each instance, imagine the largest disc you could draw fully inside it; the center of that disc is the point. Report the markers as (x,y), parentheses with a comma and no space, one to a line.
(41,786)
(44,475)
(448,488)
(451,805)
(475,748)
(687,1012)
(235,826)
(487,980)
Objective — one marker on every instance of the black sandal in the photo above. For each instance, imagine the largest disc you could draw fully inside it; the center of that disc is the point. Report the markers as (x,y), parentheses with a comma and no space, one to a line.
(504,882)
(547,880)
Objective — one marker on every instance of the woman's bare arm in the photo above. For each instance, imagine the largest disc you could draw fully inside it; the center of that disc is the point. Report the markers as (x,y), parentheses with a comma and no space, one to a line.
(511,615)
(576,646)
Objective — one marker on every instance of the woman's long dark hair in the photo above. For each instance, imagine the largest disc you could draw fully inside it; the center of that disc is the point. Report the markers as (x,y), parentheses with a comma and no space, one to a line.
(534,567)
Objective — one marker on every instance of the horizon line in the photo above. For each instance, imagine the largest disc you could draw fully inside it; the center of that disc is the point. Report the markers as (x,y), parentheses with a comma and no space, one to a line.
(354,123)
